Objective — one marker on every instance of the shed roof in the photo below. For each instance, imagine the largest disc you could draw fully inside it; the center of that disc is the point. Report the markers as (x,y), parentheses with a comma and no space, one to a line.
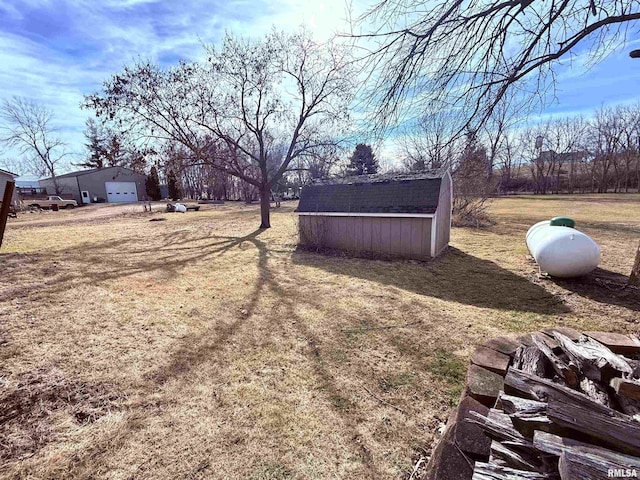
(407,193)
(91,170)
(7,172)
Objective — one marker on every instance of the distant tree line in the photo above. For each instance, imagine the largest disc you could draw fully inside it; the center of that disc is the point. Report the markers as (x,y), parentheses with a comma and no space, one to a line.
(568,155)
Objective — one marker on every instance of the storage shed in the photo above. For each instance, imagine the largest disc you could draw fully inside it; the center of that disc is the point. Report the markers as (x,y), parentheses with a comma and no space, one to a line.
(405,215)
(108,184)
(6,176)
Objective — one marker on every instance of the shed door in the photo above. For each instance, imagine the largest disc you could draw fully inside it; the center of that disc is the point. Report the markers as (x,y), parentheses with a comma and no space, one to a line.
(121,191)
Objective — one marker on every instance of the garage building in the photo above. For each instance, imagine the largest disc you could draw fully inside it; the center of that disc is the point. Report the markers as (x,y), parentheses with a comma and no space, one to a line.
(109,184)
(391,215)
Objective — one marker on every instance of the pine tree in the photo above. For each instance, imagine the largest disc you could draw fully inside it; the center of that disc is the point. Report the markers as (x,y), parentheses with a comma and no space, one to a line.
(363,160)
(172,184)
(152,184)
(94,146)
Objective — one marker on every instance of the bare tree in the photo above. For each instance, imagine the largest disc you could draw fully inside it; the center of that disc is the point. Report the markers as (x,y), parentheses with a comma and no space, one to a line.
(267,103)
(29,128)
(431,143)
(472,54)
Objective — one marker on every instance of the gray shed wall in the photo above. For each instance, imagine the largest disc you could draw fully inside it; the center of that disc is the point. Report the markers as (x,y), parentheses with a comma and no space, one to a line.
(443,215)
(94,182)
(3,182)
(67,185)
(394,236)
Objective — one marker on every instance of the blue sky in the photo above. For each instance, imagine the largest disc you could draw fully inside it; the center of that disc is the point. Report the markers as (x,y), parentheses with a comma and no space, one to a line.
(56,51)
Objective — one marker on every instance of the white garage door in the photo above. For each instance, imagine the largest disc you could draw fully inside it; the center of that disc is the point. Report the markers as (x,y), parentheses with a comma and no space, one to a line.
(121,191)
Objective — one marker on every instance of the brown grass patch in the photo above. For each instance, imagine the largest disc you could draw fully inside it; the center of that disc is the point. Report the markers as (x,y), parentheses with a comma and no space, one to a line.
(30,402)
(202,347)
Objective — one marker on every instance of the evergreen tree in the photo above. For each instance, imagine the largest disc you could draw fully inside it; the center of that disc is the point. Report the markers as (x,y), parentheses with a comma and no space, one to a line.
(172,184)
(152,184)
(363,160)
(96,158)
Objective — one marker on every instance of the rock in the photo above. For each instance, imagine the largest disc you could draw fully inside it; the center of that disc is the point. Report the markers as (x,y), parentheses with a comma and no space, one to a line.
(469,436)
(566,331)
(447,461)
(616,342)
(492,360)
(504,345)
(483,385)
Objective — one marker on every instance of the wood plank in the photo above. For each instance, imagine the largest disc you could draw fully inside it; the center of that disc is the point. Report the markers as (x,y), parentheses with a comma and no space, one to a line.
(614,429)
(358,240)
(385,235)
(575,465)
(555,445)
(405,236)
(376,235)
(498,426)
(527,416)
(628,388)
(536,388)
(395,236)
(416,237)
(488,471)
(565,371)
(513,459)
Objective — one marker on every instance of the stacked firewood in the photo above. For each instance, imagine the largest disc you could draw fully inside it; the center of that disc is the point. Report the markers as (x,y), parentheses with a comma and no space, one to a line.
(570,409)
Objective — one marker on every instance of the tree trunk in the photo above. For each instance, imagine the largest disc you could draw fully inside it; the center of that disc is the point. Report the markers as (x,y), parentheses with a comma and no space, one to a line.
(634,278)
(265,205)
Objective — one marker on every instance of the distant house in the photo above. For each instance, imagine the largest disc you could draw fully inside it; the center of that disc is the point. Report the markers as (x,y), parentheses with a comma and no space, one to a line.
(109,184)
(396,215)
(5,176)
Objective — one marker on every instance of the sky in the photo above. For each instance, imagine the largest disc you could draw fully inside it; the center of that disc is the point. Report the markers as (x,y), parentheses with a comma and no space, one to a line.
(56,51)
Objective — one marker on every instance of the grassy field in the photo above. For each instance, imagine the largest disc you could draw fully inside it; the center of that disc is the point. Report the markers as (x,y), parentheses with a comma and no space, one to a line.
(201,347)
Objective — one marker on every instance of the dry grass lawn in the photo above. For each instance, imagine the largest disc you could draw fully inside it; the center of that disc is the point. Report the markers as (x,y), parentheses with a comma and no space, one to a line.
(200,347)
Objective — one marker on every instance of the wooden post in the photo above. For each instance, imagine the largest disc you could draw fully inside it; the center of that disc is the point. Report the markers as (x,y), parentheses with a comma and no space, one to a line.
(634,278)
(4,210)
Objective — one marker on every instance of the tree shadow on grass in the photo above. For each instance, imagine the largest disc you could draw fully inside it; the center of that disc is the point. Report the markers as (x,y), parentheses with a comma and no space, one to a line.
(603,286)
(456,276)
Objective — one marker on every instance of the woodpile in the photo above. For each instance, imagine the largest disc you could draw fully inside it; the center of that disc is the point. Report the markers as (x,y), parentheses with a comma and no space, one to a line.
(565,406)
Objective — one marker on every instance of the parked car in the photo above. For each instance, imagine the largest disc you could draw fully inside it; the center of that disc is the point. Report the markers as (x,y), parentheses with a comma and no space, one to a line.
(53,200)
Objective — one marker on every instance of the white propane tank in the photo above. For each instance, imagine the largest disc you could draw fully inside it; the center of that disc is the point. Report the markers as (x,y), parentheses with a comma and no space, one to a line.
(562,251)
(180,208)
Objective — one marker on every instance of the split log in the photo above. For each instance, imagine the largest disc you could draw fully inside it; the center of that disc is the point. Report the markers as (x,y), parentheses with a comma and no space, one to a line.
(592,358)
(555,445)
(501,455)
(573,465)
(497,425)
(540,389)
(628,388)
(527,416)
(530,360)
(615,430)
(566,372)
(488,471)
